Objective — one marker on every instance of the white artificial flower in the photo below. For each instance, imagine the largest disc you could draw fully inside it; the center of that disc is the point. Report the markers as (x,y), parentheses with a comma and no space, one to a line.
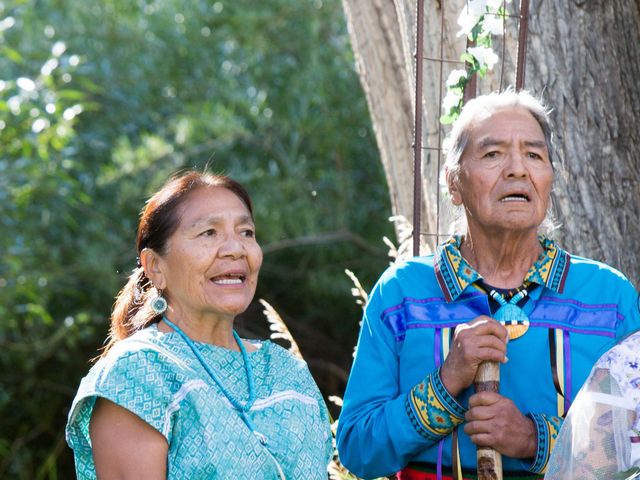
(494,5)
(492,24)
(450,101)
(484,55)
(476,7)
(467,20)
(455,76)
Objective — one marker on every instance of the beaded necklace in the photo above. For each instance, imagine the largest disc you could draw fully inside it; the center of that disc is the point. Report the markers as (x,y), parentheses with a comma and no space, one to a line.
(241,408)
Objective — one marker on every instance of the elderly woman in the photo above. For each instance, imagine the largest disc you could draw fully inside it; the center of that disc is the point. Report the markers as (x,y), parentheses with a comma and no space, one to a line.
(177,393)
(501,292)
(601,436)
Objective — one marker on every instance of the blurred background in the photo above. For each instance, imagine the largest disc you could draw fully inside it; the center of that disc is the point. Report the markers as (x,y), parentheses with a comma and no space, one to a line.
(100,101)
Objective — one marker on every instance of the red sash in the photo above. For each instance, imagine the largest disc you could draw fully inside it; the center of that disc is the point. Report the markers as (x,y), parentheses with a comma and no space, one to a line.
(410,474)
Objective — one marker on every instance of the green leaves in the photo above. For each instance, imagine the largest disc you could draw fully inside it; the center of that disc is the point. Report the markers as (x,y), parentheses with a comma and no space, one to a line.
(479,20)
(265,91)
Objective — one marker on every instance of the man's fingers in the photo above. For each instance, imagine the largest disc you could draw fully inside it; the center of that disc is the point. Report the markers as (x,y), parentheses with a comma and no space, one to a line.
(486,349)
(483,399)
(479,414)
(482,439)
(482,325)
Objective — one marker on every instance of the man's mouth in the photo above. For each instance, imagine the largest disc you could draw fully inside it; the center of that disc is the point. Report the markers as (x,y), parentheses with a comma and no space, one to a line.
(515,197)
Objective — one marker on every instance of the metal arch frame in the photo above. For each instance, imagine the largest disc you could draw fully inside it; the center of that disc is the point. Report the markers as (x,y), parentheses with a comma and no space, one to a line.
(470,92)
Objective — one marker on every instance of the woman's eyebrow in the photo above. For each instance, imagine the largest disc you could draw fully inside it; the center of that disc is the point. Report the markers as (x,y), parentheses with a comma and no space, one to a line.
(218,218)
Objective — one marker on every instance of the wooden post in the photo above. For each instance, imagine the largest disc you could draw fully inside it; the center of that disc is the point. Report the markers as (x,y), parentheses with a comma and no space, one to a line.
(489,461)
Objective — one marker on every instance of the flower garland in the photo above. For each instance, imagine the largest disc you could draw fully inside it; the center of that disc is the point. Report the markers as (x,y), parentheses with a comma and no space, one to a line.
(479,20)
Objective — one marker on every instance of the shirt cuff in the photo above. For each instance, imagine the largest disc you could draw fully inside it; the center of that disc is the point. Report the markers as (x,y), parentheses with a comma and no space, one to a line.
(547,427)
(433,412)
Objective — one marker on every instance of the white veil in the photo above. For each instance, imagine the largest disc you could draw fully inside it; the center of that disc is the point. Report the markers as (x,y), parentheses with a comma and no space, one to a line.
(600,438)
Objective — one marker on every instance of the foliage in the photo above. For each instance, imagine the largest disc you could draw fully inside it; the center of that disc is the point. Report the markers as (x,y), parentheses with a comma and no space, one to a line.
(478,21)
(100,101)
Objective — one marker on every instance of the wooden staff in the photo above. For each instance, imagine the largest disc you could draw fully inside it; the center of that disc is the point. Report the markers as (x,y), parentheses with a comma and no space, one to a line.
(489,461)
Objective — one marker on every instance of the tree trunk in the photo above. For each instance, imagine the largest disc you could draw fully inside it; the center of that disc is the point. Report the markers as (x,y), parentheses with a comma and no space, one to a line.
(581,56)
(586,56)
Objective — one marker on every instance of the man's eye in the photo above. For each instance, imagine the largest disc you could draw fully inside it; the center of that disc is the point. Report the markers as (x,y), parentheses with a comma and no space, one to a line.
(208,233)
(249,233)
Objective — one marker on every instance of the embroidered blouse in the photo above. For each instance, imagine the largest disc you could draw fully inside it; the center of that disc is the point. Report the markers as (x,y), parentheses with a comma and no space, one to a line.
(156,376)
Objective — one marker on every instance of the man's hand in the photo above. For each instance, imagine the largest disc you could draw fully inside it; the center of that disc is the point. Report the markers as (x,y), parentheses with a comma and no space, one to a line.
(494,421)
(482,339)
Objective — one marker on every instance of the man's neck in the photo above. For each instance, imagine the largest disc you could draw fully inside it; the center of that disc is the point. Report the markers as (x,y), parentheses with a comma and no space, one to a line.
(502,262)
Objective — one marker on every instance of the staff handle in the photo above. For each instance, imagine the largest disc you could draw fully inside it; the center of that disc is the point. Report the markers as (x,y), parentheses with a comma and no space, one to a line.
(489,461)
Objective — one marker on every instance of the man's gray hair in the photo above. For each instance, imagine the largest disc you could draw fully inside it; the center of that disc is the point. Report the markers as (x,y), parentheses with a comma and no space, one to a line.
(478,109)
(484,106)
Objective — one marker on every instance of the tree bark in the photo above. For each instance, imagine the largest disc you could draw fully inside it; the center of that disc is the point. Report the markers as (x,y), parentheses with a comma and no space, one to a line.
(585,56)
(582,57)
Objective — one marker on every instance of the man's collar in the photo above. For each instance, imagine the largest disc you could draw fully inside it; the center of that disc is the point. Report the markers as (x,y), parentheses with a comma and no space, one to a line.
(455,274)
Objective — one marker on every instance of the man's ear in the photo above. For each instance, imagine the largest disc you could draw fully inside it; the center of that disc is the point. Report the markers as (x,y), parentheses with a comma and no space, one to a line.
(153,265)
(454,188)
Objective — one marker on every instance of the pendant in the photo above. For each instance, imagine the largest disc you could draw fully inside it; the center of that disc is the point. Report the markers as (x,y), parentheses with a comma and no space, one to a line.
(514,319)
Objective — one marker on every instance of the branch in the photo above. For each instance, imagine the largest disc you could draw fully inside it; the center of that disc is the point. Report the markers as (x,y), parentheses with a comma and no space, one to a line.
(321,239)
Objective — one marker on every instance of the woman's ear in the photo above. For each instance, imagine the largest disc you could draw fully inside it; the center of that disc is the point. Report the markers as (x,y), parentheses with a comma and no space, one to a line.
(152,264)
(454,188)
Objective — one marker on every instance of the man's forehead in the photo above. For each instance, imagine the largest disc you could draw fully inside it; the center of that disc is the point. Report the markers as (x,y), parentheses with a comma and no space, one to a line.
(501,125)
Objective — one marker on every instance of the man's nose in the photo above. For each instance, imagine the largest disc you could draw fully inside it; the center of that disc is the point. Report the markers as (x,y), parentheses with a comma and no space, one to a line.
(516,164)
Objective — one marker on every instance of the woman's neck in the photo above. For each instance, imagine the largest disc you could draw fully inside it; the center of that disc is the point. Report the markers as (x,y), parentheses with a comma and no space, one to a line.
(206,329)
(502,262)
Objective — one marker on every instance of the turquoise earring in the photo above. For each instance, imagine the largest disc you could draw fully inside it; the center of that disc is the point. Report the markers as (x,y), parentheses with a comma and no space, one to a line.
(159,303)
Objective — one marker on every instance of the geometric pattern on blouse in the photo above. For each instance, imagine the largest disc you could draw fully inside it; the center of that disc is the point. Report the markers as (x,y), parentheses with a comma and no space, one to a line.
(454,273)
(157,377)
(433,412)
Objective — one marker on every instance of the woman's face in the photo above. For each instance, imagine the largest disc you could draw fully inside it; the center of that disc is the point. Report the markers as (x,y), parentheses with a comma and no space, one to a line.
(505,175)
(212,260)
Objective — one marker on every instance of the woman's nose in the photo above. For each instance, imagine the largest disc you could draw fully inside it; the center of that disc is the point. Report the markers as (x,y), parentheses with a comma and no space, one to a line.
(232,246)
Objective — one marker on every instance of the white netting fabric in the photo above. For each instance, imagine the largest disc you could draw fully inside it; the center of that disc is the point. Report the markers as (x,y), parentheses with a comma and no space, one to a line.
(600,438)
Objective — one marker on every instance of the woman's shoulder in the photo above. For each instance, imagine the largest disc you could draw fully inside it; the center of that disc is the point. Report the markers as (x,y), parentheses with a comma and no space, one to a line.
(626,349)
(622,362)
(148,343)
(623,358)
(146,355)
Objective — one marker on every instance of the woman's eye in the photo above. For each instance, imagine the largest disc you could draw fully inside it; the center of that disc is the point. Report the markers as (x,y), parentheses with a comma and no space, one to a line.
(208,233)
(492,154)
(534,155)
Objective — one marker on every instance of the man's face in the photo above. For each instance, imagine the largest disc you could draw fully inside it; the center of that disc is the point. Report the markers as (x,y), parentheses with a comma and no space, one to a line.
(505,175)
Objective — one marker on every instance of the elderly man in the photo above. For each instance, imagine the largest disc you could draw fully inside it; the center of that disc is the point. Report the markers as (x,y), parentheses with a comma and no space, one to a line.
(500,290)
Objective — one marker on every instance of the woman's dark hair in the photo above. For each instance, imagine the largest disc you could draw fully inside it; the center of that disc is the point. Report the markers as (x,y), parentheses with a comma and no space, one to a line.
(159,219)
